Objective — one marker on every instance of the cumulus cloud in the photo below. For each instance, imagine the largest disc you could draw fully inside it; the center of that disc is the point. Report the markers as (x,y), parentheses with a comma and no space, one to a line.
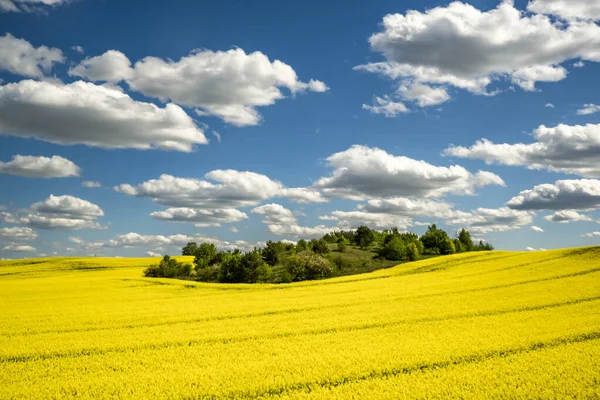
(153,254)
(40,167)
(537,229)
(567,9)
(386,106)
(423,95)
(353,219)
(591,234)
(275,214)
(463,47)
(232,189)
(84,113)
(30,6)
(78,49)
(91,184)
(579,194)
(588,109)
(485,220)
(282,221)
(59,212)
(201,217)
(362,172)
(227,84)
(566,216)
(134,240)
(18,233)
(20,248)
(549,105)
(564,148)
(302,195)
(19,57)
(112,66)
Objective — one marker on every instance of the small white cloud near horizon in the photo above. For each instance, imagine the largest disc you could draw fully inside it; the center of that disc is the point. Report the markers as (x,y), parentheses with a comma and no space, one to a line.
(537,228)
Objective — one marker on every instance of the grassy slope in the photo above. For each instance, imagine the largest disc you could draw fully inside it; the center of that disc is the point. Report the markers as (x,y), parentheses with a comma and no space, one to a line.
(477,325)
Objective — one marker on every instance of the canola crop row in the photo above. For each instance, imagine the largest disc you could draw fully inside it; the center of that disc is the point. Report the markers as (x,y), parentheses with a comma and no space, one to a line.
(486,325)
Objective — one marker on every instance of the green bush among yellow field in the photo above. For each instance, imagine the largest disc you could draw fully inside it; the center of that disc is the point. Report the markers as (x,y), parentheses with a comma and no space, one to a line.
(474,325)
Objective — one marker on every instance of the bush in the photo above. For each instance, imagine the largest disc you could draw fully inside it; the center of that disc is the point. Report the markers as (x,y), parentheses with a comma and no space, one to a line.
(341,246)
(412,251)
(168,268)
(394,250)
(364,237)
(307,266)
(319,246)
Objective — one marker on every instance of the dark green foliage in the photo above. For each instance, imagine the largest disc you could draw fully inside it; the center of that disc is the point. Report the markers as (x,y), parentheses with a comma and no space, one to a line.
(364,237)
(308,266)
(319,246)
(189,249)
(206,255)
(395,249)
(412,252)
(168,268)
(465,239)
(436,241)
(271,252)
(301,246)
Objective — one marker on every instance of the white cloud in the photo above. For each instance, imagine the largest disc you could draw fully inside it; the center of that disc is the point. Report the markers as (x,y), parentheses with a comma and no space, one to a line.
(91,184)
(19,247)
(300,231)
(423,95)
(30,5)
(275,214)
(534,249)
(84,113)
(591,234)
(588,109)
(19,57)
(386,106)
(549,105)
(463,47)
(579,194)
(40,167)
(302,195)
(362,172)
(233,229)
(227,84)
(18,233)
(153,254)
(353,219)
(45,222)
(112,66)
(201,217)
(61,212)
(537,229)
(68,206)
(233,189)
(485,220)
(566,216)
(579,64)
(78,49)
(567,9)
(564,148)
(281,221)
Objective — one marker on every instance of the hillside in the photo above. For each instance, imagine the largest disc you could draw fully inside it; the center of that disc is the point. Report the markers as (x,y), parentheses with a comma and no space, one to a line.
(474,325)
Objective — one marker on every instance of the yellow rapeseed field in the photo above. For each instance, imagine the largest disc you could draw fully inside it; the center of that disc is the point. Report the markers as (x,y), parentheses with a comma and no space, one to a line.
(476,325)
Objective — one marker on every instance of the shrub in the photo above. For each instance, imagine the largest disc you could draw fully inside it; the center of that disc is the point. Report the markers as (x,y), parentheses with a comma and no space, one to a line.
(307,266)
(341,246)
(319,246)
(412,252)
(168,268)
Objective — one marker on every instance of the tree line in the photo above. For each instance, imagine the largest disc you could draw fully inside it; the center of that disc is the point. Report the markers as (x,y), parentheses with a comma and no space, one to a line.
(314,259)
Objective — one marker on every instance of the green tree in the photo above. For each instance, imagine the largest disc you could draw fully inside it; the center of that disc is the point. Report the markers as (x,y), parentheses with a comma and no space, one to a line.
(395,249)
(301,245)
(364,237)
(412,252)
(465,239)
(206,254)
(446,246)
(341,246)
(319,246)
(189,249)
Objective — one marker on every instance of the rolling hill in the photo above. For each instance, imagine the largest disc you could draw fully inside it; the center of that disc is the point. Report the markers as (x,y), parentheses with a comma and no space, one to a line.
(474,325)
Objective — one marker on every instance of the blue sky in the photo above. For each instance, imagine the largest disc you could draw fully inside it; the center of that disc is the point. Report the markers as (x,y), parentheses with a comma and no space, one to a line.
(360,95)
